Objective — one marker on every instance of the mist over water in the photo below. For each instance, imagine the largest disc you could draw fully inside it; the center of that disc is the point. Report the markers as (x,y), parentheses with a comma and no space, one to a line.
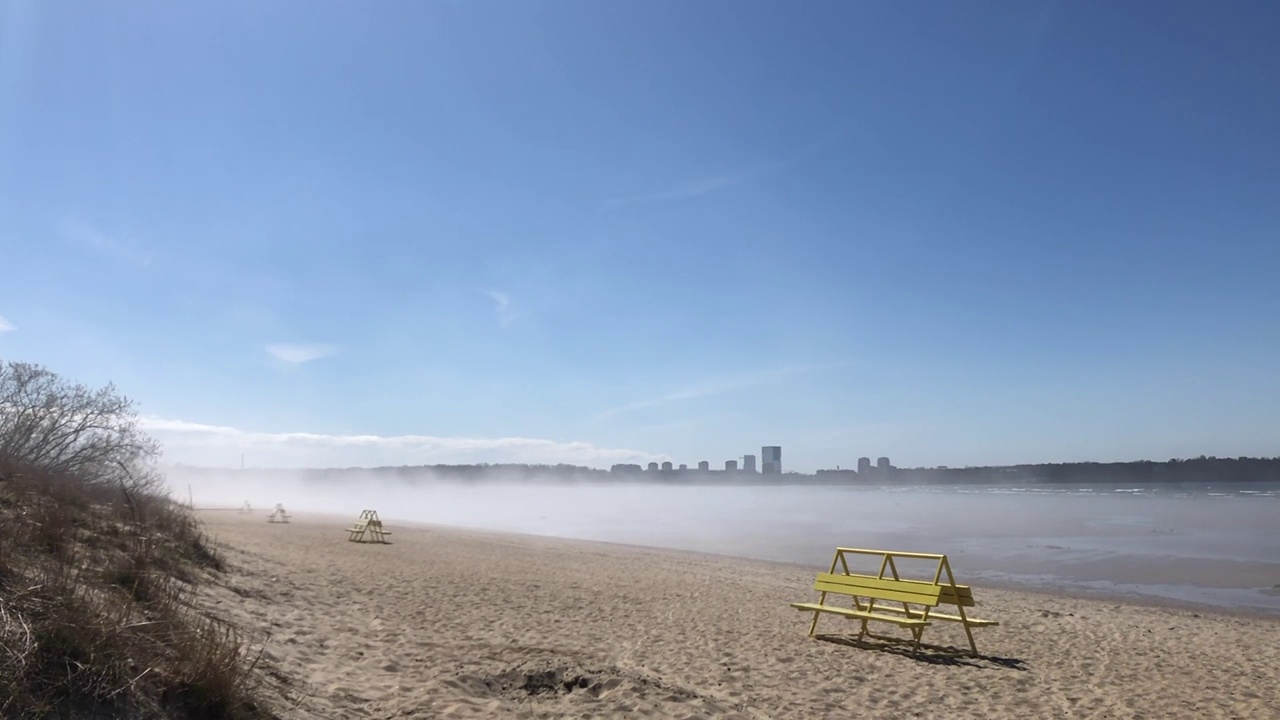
(1212,545)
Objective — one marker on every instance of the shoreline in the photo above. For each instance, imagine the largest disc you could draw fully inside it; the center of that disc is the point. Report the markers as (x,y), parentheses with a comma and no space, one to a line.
(1064,588)
(1048,589)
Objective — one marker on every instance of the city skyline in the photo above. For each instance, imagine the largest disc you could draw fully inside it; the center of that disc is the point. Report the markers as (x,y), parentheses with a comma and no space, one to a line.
(1201,471)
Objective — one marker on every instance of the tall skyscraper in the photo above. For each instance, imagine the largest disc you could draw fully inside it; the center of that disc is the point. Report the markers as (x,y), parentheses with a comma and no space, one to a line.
(703,465)
(882,465)
(730,465)
(864,465)
(749,463)
(771,456)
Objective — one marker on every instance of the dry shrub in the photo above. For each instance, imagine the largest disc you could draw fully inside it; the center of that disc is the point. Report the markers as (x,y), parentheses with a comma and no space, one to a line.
(96,613)
(213,678)
(97,566)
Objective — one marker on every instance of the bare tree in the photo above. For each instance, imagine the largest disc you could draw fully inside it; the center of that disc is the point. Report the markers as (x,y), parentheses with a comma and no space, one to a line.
(55,426)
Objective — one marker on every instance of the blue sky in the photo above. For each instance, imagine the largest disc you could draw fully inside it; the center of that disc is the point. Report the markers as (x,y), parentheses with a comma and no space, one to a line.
(406,232)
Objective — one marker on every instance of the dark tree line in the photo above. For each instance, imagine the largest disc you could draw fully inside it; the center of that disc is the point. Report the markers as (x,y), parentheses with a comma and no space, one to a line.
(1198,470)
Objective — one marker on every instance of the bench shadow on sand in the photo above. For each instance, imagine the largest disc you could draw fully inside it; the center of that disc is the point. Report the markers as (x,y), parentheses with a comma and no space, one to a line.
(930,654)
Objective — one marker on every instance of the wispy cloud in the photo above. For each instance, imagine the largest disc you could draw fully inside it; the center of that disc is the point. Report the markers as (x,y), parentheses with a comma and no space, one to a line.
(297,354)
(720,386)
(197,443)
(127,249)
(691,189)
(502,307)
(706,185)
(6,326)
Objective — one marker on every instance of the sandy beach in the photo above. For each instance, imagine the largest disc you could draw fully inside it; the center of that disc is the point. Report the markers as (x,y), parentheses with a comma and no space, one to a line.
(453,623)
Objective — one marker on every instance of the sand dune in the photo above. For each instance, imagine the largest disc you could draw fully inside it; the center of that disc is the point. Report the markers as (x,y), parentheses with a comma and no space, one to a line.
(457,624)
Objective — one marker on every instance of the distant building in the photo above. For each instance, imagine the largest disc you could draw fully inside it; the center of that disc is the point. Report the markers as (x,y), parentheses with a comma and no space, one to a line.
(666,466)
(864,465)
(683,466)
(653,467)
(730,465)
(625,468)
(772,458)
(748,463)
(704,465)
(882,464)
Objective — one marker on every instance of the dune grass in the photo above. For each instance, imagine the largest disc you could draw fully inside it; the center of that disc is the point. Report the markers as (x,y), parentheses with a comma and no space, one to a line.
(96,611)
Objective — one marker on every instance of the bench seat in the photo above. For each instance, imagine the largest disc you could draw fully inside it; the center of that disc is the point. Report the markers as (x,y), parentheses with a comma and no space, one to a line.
(974,622)
(863,614)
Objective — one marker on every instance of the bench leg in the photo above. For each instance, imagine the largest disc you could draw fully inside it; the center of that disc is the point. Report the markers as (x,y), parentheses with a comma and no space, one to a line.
(967,631)
(972,645)
(917,632)
(813,626)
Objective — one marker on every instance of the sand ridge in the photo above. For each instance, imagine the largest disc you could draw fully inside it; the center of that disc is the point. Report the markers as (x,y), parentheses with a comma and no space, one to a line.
(458,624)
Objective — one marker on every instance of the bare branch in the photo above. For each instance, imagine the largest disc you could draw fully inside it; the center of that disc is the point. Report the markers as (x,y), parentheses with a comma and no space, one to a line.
(55,425)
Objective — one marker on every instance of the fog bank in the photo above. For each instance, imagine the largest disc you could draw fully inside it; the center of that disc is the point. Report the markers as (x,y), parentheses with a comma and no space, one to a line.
(1217,546)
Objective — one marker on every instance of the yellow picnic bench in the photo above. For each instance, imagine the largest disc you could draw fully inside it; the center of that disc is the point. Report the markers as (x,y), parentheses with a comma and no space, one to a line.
(912,601)
(367,524)
(278,515)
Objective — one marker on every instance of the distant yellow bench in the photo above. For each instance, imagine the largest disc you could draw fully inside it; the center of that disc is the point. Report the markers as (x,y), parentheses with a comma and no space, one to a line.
(912,600)
(367,524)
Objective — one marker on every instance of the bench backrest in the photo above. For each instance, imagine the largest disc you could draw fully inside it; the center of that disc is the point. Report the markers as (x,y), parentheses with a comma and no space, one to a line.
(961,595)
(868,586)
(951,592)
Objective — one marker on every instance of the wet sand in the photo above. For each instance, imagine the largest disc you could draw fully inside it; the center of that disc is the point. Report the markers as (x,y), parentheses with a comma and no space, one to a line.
(456,623)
